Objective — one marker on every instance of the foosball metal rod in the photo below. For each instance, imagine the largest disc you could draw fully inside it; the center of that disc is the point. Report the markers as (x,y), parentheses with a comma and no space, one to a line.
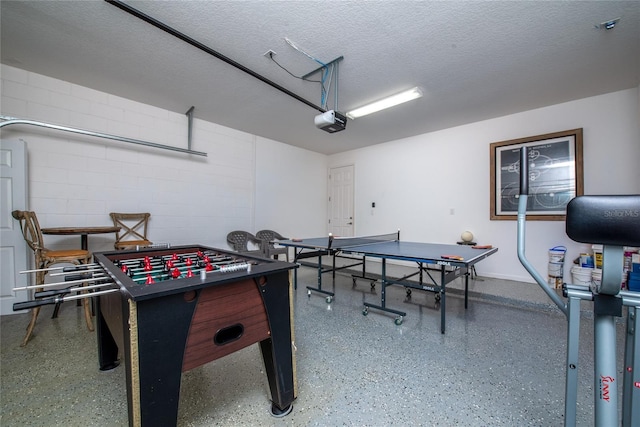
(65,273)
(59,299)
(81,267)
(44,294)
(70,282)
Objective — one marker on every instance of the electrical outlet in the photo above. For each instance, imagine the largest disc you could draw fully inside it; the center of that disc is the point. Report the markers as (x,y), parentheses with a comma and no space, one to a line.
(269,54)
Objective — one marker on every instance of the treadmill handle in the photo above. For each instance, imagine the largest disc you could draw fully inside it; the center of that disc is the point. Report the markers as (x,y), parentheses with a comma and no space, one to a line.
(522,214)
(524,171)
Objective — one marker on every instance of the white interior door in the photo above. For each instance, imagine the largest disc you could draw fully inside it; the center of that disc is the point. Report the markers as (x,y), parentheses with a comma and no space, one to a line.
(341,184)
(13,248)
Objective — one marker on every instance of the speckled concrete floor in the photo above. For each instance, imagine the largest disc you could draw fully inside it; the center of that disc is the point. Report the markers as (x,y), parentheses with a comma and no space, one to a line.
(500,363)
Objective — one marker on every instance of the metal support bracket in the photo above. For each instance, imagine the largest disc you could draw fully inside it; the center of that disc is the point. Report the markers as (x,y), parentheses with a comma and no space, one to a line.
(333,65)
(189,114)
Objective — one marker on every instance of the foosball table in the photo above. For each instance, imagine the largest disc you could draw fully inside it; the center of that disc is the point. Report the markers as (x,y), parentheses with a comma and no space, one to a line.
(181,307)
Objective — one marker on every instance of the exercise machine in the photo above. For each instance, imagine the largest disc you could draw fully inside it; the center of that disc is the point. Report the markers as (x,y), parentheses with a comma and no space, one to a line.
(614,222)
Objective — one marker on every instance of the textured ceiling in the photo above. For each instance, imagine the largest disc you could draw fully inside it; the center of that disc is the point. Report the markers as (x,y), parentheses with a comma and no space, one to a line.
(473,60)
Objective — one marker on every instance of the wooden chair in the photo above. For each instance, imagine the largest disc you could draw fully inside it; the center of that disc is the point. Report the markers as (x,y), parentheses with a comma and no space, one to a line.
(239,242)
(269,249)
(133,230)
(44,258)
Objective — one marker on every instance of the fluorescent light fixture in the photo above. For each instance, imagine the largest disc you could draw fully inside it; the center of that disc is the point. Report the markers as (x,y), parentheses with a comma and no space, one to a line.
(382,104)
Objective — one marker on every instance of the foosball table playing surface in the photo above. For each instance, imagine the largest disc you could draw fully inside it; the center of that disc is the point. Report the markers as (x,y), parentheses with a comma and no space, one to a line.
(181,307)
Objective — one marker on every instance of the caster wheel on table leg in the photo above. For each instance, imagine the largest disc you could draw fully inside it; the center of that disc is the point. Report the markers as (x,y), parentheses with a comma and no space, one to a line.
(398,320)
(329,299)
(365,311)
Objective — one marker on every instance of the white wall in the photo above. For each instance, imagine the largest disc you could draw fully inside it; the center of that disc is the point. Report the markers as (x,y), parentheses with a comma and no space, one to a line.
(416,182)
(248,182)
(291,190)
(76,181)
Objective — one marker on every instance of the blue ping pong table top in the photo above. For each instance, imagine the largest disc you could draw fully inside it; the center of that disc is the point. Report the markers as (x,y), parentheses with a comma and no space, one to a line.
(400,250)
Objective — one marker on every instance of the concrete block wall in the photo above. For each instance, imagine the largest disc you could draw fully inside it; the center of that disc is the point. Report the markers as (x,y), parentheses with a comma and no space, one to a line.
(75,180)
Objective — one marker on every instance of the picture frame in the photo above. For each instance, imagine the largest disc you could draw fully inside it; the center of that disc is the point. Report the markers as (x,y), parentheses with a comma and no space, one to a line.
(555,175)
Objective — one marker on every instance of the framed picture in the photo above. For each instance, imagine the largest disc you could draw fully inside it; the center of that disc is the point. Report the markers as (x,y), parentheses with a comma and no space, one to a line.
(555,175)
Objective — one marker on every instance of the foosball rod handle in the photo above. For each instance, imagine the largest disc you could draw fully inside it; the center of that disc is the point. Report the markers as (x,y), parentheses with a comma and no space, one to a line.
(35,303)
(24,305)
(65,291)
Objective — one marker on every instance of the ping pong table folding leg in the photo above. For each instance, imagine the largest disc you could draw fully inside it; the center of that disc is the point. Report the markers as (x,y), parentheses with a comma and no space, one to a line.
(328,295)
(372,280)
(400,315)
(295,275)
(443,298)
(466,285)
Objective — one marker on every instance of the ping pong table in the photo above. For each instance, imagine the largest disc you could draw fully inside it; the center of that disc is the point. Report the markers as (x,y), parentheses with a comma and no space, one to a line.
(451,261)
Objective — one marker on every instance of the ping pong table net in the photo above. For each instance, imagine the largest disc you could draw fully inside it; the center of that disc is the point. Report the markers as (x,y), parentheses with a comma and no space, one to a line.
(343,242)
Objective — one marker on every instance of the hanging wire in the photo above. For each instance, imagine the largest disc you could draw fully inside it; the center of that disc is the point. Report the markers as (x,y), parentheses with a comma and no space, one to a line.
(289,72)
(325,72)
(293,45)
(324,90)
